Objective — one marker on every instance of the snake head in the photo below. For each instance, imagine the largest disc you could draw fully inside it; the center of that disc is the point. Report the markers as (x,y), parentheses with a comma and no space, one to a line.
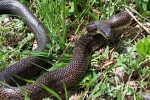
(100,27)
(104,28)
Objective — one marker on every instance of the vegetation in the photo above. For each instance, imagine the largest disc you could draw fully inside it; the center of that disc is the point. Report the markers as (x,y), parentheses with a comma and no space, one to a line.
(113,73)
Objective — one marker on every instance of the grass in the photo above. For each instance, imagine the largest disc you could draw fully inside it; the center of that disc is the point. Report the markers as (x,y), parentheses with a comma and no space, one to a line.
(100,80)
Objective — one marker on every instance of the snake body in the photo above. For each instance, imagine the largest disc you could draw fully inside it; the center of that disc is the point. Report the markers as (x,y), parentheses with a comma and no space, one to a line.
(26,68)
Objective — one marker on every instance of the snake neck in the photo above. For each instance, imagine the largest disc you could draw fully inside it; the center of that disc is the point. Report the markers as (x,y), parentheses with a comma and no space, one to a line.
(119,21)
(81,47)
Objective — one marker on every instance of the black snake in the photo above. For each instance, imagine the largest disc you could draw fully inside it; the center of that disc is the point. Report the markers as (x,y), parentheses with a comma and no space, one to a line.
(69,75)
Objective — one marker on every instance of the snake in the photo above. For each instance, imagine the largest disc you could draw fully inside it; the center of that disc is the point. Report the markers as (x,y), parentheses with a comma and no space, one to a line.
(55,80)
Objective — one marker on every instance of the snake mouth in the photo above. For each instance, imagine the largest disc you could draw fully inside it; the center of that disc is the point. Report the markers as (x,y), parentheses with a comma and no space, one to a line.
(100,27)
(107,33)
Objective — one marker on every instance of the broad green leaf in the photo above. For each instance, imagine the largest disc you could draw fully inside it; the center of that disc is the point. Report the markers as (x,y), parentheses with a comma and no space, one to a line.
(148,49)
(145,41)
(130,91)
(141,49)
(148,5)
(139,5)
(148,38)
(72,7)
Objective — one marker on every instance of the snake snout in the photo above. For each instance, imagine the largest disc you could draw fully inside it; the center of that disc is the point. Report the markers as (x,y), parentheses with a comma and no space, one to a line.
(104,29)
(107,33)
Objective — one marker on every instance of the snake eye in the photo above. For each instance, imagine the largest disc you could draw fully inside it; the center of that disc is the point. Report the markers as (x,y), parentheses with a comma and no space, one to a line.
(91,27)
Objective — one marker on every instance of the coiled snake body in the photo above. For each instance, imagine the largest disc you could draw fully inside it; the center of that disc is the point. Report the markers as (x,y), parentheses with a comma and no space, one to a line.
(27,67)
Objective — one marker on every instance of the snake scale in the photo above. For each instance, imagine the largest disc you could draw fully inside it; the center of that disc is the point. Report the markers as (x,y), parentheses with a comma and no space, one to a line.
(69,75)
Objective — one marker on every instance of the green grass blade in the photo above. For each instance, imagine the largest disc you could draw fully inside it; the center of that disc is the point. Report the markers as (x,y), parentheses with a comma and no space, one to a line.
(51,92)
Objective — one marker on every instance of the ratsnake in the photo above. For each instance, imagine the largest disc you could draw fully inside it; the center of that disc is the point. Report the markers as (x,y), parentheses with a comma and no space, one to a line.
(29,67)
